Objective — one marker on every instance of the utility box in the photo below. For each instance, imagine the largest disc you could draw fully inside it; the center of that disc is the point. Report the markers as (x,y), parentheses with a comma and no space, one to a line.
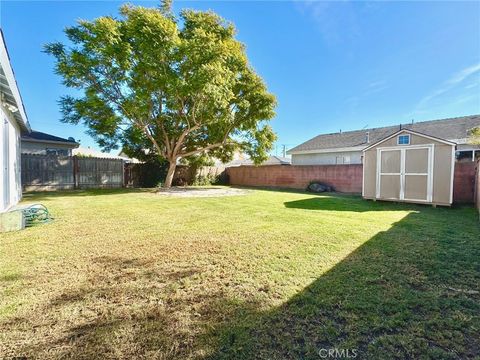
(12,221)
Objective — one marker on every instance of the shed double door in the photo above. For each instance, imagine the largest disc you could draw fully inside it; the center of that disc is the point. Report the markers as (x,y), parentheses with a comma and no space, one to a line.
(405,173)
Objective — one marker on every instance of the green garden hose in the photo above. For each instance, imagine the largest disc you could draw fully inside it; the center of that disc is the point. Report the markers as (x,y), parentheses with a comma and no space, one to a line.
(36,214)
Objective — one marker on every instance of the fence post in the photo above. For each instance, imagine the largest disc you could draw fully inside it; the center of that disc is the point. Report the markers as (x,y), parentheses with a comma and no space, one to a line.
(123,174)
(75,172)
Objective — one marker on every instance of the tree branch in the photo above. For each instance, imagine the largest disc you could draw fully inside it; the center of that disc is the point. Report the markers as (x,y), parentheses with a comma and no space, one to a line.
(208,147)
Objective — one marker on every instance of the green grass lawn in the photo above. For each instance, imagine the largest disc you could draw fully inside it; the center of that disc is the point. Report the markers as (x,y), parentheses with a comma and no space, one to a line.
(272,275)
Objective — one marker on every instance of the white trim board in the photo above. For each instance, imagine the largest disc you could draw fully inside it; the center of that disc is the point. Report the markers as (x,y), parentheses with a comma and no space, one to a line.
(409,132)
(12,82)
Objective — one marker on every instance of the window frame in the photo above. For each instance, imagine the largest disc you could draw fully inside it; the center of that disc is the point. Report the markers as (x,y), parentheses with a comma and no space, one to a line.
(401,136)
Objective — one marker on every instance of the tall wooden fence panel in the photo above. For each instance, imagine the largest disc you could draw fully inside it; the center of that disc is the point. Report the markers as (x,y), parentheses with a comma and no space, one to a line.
(44,172)
(99,173)
(477,186)
(464,182)
(51,172)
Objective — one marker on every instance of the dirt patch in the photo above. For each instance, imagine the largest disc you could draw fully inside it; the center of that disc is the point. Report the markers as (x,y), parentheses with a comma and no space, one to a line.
(201,192)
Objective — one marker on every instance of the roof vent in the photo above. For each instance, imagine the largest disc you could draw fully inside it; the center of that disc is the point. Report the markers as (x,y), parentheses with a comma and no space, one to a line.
(367,137)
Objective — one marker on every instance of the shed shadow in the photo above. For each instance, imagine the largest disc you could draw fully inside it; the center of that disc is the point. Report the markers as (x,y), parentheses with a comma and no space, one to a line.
(391,297)
(352,203)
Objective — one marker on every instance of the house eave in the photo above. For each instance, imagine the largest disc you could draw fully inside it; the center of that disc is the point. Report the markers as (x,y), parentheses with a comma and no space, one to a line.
(330,150)
(11,97)
(67,143)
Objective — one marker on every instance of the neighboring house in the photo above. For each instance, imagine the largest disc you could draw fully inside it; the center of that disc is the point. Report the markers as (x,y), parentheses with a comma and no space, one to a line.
(347,147)
(39,143)
(13,121)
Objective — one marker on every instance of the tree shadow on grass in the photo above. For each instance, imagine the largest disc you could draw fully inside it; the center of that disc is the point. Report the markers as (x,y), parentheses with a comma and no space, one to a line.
(127,308)
(409,292)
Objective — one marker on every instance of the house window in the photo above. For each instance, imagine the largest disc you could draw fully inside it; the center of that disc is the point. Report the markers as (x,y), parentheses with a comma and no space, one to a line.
(403,139)
(464,155)
(342,160)
(59,152)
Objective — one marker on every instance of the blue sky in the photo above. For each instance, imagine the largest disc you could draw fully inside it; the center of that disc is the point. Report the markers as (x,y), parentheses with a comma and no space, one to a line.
(332,65)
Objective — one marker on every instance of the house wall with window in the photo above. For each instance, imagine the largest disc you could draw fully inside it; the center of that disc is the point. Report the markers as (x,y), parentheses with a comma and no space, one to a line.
(10,177)
(328,158)
(464,153)
(13,120)
(467,152)
(44,148)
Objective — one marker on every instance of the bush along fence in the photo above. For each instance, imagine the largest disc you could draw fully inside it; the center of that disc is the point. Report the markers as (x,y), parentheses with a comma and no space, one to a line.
(152,174)
(47,172)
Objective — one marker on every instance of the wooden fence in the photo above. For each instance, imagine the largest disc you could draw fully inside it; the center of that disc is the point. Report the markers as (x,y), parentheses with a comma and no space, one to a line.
(464,182)
(477,186)
(50,172)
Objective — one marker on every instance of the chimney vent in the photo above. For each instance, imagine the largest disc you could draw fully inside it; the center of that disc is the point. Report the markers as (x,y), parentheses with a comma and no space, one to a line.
(368,137)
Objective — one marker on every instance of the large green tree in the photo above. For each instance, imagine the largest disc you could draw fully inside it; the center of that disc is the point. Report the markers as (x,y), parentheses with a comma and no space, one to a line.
(172,87)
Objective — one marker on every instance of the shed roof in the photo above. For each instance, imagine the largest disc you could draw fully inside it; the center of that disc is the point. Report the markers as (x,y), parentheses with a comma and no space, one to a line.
(448,129)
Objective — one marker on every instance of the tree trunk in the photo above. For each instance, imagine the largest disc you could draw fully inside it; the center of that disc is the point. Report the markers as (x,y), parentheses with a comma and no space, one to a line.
(171,171)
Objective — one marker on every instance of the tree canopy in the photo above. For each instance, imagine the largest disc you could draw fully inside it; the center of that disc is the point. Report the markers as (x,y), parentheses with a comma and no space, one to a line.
(474,136)
(165,86)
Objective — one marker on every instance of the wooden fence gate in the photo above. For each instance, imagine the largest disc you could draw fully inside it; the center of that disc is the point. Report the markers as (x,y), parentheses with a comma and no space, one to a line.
(51,172)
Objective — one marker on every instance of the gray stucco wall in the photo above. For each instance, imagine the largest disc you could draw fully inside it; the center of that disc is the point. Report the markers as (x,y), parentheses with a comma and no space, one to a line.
(355,157)
(39,148)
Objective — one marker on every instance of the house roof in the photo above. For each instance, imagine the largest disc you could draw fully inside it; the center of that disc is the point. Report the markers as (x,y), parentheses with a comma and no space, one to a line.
(277,160)
(38,136)
(453,129)
(9,88)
